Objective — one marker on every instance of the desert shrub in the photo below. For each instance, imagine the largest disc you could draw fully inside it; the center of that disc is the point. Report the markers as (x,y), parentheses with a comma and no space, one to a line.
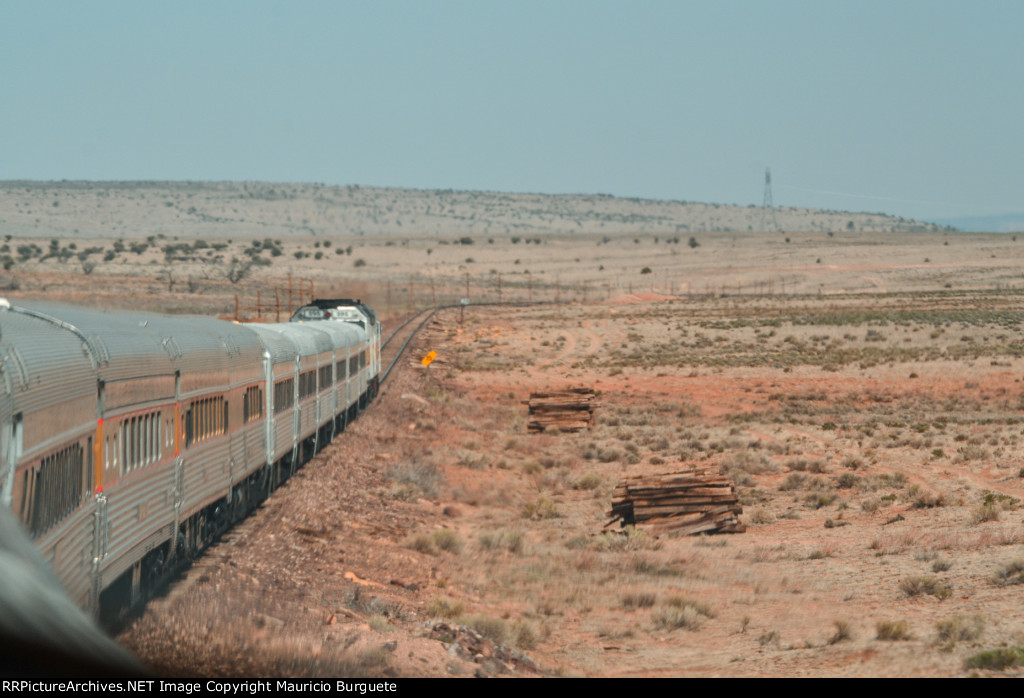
(443,607)
(532,467)
(793,481)
(748,462)
(590,481)
(892,630)
(915,586)
(494,629)
(643,565)
(852,462)
(378,623)
(639,600)
(960,628)
(373,659)
(524,636)
(578,542)
(541,508)
(448,540)
(676,618)
(847,480)
(511,541)
(998,659)
(921,499)
(629,538)
(819,500)
(685,602)
(817,466)
(1010,573)
(422,543)
(797,464)
(986,512)
(843,631)
(468,459)
(424,477)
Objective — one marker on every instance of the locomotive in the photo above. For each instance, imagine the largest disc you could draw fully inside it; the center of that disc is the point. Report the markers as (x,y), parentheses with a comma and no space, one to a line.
(129,441)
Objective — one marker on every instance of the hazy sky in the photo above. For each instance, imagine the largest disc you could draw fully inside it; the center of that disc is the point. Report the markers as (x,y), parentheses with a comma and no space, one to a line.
(912,108)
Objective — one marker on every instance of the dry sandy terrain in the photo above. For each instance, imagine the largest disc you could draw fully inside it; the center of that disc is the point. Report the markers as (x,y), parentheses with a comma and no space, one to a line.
(862,391)
(874,443)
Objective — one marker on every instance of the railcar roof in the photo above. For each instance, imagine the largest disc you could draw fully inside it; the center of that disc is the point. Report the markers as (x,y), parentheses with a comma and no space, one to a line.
(131,344)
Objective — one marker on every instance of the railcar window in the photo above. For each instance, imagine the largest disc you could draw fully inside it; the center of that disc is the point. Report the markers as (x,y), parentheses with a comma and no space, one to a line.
(56,486)
(284,394)
(140,443)
(253,407)
(326,377)
(205,419)
(307,384)
(340,368)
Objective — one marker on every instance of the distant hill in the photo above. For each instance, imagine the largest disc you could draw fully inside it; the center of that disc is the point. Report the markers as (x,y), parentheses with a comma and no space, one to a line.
(258,209)
(1006,223)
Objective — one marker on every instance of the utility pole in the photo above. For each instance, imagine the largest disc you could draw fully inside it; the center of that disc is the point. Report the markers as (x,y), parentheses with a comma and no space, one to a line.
(768,222)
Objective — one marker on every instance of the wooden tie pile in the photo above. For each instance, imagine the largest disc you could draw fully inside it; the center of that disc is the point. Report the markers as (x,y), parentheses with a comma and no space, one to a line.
(567,410)
(680,503)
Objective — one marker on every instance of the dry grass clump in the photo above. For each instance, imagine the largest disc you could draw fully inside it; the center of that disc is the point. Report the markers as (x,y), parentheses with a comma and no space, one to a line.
(987,512)
(892,630)
(639,600)
(747,461)
(998,659)
(843,631)
(511,541)
(628,538)
(960,628)
(374,658)
(922,499)
(682,612)
(443,539)
(443,607)
(793,481)
(494,629)
(992,507)
(468,459)
(524,636)
(448,540)
(644,565)
(590,481)
(819,500)
(915,586)
(1010,573)
(539,509)
(413,478)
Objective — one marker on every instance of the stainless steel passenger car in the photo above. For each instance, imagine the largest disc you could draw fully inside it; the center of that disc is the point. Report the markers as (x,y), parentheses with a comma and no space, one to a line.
(129,441)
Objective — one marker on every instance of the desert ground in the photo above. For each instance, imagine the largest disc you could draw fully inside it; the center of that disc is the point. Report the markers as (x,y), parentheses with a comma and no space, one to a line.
(862,390)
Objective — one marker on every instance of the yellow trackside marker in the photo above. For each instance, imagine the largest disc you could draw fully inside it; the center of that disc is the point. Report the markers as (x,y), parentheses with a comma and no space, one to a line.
(429,358)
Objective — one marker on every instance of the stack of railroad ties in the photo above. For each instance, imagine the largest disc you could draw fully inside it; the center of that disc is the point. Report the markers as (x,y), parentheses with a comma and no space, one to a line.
(681,503)
(565,410)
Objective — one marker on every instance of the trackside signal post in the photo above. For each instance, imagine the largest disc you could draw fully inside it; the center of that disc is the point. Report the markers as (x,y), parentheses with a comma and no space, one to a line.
(427,360)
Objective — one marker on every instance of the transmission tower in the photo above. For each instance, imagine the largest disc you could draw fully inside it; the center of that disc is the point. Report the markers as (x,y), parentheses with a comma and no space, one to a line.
(768,222)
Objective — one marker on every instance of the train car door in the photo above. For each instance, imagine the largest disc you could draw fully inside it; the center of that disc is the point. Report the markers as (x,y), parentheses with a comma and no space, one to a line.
(11,445)
(100,540)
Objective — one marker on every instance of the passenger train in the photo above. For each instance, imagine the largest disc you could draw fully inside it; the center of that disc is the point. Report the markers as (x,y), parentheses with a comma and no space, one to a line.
(129,441)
